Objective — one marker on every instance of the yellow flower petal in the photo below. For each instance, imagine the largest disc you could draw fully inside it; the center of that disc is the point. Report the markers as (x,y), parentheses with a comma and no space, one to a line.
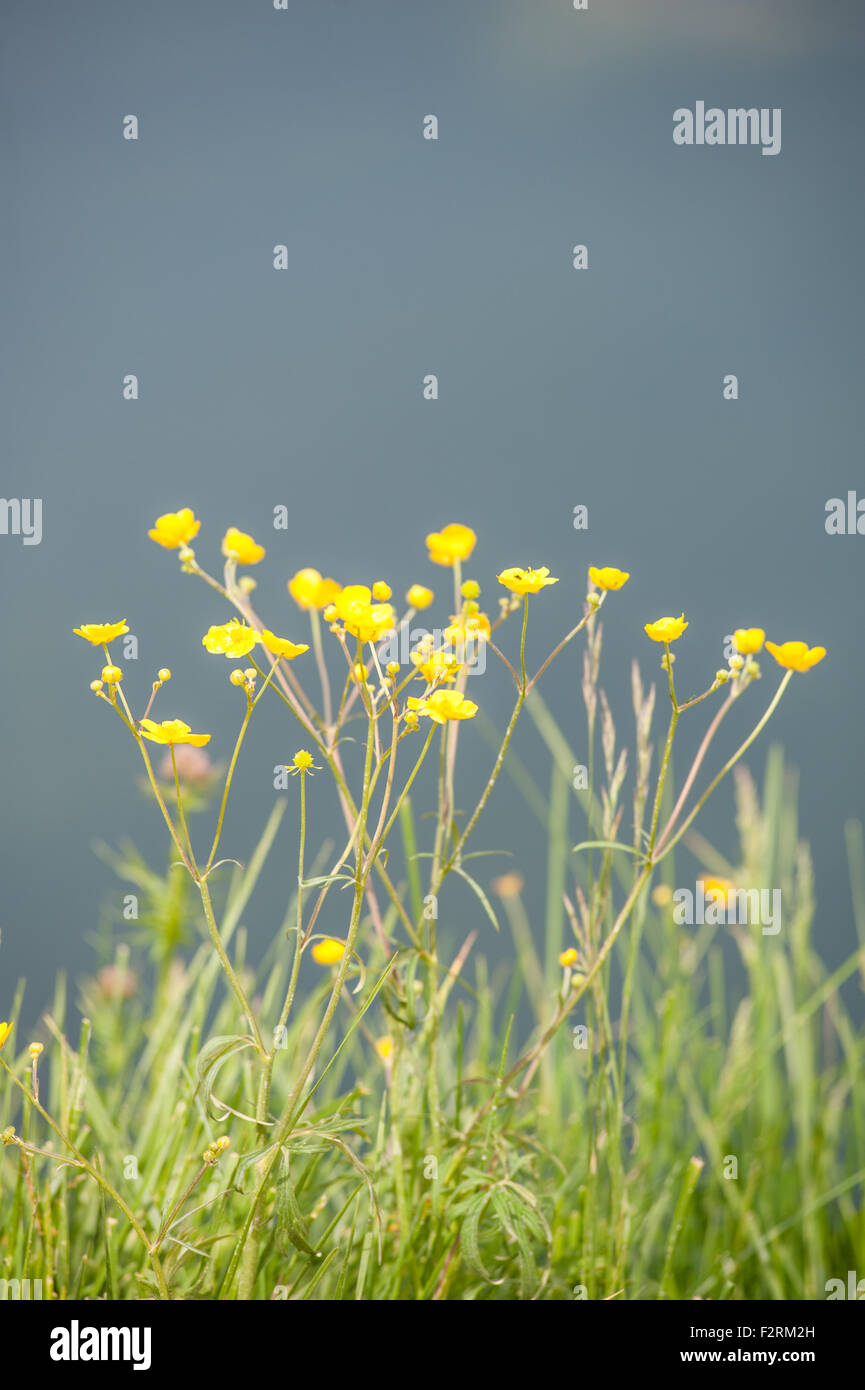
(309,590)
(172,731)
(99,634)
(666,629)
(328,951)
(174,529)
(280,646)
(419,596)
(608,577)
(443,705)
(232,639)
(796,656)
(749,640)
(454,542)
(238,546)
(525,581)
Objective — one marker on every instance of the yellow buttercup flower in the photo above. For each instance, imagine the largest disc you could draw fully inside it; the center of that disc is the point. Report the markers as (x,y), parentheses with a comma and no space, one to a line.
(749,639)
(525,581)
(608,577)
(100,634)
(302,762)
(232,639)
(5,1030)
(328,951)
(384,1047)
(796,656)
(175,528)
(452,543)
(719,888)
(381,591)
(666,629)
(112,675)
(568,957)
(360,616)
(435,667)
(238,546)
(172,731)
(443,705)
(280,646)
(419,596)
(310,590)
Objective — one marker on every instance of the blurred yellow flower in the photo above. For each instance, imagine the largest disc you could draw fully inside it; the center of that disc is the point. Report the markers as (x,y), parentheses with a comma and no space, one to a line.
(232,639)
(381,591)
(525,581)
(568,957)
(508,885)
(719,888)
(112,675)
(175,528)
(384,1047)
(99,634)
(328,951)
(172,731)
(309,590)
(419,596)
(444,705)
(749,639)
(796,656)
(454,542)
(5,1030)
(608,577)
(280,646)
(237,545)
(666,629)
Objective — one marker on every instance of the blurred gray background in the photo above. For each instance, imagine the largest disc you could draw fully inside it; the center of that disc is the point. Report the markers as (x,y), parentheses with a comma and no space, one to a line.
(303,387)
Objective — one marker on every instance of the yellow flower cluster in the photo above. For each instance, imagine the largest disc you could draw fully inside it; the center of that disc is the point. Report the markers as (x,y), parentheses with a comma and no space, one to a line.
(235,639)
(354,608)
